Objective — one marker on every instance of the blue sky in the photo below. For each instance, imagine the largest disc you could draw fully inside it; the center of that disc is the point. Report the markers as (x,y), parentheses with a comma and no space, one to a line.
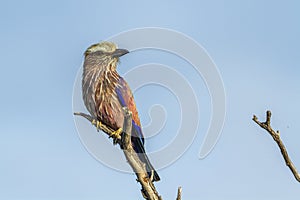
(255,45)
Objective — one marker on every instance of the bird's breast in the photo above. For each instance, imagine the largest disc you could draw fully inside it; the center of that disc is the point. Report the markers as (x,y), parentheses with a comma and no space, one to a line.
(109,110)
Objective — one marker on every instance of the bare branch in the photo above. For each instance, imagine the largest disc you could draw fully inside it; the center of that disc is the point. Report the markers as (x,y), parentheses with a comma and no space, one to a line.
(109,131)
(148,190)
(276,136)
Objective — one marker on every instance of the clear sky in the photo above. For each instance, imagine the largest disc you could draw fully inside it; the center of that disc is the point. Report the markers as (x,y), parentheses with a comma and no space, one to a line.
(255,45)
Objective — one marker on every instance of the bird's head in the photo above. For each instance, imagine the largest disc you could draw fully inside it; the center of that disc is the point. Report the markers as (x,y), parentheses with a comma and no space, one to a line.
(105,52)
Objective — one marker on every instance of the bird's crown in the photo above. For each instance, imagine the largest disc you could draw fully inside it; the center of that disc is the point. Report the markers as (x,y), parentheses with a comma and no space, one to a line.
(106,47)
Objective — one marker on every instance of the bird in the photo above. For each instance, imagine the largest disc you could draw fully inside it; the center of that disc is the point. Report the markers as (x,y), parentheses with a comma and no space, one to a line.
(105,94)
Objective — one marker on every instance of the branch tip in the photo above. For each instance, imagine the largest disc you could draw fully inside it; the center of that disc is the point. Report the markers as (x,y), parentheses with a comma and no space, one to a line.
(254,118)
(268,118)
(179,193)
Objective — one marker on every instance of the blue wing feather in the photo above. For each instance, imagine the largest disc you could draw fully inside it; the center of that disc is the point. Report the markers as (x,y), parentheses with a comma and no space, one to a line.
(137,139)
(121,92)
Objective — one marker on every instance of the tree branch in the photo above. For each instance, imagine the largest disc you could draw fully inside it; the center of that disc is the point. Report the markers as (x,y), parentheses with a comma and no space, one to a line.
(148,190)
(109,131)
(276,136)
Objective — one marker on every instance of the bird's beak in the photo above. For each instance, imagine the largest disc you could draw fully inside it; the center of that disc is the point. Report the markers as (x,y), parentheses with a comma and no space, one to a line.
(119,52)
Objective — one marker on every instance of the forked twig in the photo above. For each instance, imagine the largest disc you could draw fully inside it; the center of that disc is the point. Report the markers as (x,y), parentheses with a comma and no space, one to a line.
(276,136)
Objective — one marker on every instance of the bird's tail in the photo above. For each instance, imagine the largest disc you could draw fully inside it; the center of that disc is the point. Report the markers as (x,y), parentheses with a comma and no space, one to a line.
(150,169)
(139,148)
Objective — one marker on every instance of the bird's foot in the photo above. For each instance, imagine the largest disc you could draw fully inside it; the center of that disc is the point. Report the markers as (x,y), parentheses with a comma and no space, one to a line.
(97,123)
(117,134)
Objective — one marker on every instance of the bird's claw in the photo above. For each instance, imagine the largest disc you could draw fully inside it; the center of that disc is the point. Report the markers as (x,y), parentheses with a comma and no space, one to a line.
(117,133)
(97,123)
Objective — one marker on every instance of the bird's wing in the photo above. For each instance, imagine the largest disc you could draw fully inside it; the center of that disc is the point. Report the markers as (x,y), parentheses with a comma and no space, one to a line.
(137,139)
(126,100)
